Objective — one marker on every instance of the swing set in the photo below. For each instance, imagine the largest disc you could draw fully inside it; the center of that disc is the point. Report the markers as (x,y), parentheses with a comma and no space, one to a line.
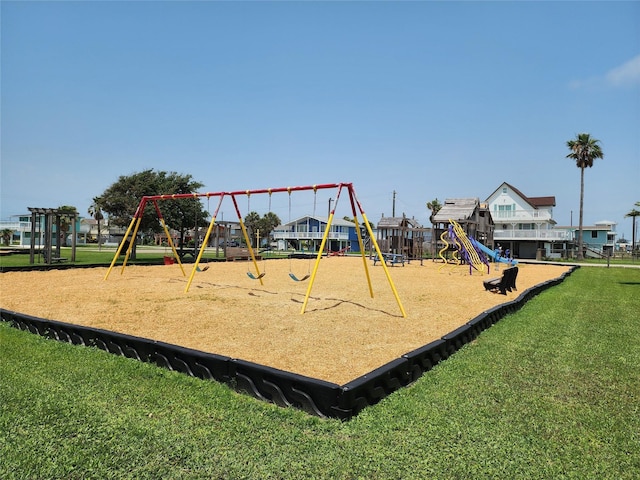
(356,209)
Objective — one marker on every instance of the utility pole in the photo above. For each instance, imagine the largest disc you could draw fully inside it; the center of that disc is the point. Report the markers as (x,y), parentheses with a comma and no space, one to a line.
(393,210)
(329,212)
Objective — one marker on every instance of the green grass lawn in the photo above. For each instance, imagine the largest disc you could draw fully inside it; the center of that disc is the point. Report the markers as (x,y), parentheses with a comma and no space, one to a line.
(552,391)
(90,255)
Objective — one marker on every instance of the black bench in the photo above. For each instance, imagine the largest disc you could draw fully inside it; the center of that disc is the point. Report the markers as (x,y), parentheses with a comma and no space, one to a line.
(505,283)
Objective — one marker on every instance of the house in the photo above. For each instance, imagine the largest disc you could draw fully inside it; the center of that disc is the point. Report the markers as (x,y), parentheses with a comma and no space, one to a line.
(598,240)
(401,235)
(20,228)
(473,216)
(525,225)
(24,226)
(306,233)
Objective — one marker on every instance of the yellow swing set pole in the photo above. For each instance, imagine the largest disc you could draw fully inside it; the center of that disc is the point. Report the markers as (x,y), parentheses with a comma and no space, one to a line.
(169,240)
(131,242)
(205,242)
(317,262)
(378,252)
(246,238)
(117,254)
(137,217)
(384,265)
(360,242)
(171,244)
(319,256)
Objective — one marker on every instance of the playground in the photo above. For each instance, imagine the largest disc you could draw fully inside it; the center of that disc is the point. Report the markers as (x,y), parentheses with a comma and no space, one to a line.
(343,334)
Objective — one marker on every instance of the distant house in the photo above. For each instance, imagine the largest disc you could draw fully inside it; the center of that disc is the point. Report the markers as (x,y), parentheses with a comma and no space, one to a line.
(473,216)
(306,233)
(598,240)
(525,225)
(22,229)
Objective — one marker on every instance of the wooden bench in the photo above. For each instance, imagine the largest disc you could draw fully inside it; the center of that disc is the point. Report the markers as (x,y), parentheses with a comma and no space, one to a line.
(503,284)
(54,259)
(390,259)
(239,253)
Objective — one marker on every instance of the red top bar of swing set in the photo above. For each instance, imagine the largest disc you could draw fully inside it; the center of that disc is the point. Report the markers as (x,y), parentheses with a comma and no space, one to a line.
(175,196)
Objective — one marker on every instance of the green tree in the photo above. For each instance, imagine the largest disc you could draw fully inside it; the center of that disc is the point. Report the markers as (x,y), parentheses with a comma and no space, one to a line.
(6,235)
(262,226)
(434,206)
(252,224)
(633,214)
(122,198)
(584,149)
(95,210)
(67,215)
(268,223)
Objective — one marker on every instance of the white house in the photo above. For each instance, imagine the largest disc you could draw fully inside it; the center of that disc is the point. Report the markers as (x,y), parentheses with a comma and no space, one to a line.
(525,225)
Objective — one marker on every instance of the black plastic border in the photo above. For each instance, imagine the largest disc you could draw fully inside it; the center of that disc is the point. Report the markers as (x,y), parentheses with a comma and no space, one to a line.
(286,389)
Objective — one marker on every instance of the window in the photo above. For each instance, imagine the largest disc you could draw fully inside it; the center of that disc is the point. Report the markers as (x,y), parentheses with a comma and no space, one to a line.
(504,189)
(505,211)
(594,234)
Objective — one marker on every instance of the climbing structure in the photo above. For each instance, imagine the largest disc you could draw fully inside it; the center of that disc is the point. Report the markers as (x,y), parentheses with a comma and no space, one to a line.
(467,247)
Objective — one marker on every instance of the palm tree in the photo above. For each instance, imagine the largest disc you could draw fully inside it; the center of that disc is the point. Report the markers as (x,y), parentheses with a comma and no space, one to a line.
(95,210)
(633,214)
(434,206)
(66,215)
(584,150)
(6,235)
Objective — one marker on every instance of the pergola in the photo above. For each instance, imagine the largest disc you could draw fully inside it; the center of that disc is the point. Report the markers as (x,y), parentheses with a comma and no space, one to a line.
(52,218)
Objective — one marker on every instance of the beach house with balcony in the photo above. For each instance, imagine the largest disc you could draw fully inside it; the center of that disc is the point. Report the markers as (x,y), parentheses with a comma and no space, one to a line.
(525,225)
(306,233)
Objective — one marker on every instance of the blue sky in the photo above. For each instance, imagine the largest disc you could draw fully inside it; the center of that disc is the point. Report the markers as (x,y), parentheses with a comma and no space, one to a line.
(424,99)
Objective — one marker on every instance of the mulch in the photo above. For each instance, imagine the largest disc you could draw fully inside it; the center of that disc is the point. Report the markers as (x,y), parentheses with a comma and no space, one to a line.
(343,334)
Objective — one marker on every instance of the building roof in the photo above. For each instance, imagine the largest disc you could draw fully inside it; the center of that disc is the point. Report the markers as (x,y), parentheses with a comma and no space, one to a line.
(397,222)
(536,202)
(456,209)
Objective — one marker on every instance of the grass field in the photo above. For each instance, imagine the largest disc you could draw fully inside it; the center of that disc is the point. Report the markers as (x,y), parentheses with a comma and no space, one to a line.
(552,391)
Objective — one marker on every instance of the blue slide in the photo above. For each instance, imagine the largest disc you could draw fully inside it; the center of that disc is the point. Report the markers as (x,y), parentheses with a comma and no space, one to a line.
(492,254)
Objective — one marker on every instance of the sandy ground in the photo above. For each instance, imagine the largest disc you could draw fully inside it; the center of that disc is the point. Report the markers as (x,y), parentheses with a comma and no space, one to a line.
(343,334)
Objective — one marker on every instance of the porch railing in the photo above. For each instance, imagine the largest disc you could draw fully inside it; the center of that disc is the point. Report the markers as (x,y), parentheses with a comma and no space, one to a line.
(551,235)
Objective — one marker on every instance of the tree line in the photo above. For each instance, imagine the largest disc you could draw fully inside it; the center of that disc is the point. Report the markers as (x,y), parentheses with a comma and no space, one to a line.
(120,202)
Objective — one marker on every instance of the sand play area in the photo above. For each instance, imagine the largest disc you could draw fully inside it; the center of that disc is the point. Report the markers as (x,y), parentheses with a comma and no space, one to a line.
(343,334)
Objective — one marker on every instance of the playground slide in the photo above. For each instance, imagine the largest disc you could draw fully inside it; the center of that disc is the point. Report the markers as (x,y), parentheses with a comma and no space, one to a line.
(492,255)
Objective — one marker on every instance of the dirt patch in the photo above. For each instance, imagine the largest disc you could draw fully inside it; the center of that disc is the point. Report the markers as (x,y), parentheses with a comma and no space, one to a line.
(343,334)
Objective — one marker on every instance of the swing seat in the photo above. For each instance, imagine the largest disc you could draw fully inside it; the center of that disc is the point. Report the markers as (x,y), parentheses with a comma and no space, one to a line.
(253,277)
(169,260)
(296,279)
(203,269)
